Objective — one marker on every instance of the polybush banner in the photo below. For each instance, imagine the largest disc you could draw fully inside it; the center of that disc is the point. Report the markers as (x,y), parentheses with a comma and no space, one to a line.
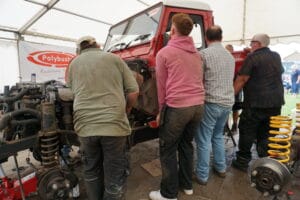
(47,62)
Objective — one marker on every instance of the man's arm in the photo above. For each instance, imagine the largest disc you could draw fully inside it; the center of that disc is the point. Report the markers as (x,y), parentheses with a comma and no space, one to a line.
(161,79)
(131,88)
(239,83)
(68,76)
(298,78)
(130,101)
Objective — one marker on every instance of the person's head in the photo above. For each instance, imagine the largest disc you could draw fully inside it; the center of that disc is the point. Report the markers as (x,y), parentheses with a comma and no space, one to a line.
(182,24)
(229,47)
(85,43)
(294,67)
(214,34)
(259,41)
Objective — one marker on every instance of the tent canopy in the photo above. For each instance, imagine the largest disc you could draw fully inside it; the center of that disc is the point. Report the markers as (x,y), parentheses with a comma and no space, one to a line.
(67,20)
(61,22)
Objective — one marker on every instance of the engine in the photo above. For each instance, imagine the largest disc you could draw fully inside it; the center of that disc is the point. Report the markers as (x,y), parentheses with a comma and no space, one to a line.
(38,116)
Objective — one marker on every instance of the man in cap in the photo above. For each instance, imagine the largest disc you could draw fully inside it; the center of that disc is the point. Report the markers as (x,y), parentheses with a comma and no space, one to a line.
(260,78)
(104,91)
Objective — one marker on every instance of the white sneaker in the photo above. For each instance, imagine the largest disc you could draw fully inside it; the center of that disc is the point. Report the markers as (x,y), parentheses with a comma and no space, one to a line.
(156,195)
(188,192)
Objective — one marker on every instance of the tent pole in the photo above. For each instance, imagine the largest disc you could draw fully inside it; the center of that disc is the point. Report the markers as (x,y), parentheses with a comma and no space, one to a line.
(244,22)
(18,54)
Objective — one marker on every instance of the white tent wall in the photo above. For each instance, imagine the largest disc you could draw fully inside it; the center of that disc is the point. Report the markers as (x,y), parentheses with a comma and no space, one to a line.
(279,19)
(76,27)
(9,67)
(241,19)
(285,49)
(229,15)
(111,11)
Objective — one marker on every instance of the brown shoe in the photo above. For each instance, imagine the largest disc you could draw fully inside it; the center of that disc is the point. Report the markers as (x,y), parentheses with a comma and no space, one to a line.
(200,182)
(220,174)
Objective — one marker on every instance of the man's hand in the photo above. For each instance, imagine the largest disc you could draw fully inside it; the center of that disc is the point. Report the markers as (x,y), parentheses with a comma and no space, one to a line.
(239,83)
(128,110)
(158,119)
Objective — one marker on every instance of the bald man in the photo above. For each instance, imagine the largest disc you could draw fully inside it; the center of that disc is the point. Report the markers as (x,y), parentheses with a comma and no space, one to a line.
(260,78)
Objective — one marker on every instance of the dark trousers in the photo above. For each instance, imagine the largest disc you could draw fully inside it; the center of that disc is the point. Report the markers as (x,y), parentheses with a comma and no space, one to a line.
(254,125)
(177,129)
(105,166)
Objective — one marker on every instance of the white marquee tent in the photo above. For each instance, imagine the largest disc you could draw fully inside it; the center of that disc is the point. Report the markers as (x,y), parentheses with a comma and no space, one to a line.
(61,22)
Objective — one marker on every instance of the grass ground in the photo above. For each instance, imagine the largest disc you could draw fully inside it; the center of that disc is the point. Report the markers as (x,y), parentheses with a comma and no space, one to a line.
(290,104)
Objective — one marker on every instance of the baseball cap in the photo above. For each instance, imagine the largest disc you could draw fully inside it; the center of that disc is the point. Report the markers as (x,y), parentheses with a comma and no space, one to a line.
(263,39)
(88,39)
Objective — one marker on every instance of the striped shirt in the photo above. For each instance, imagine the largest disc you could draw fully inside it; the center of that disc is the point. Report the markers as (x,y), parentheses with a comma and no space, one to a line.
(218,66)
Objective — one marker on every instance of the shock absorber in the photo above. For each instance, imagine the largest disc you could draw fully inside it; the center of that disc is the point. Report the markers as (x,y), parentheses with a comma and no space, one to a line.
(49,141)
(279,142)
(53,182)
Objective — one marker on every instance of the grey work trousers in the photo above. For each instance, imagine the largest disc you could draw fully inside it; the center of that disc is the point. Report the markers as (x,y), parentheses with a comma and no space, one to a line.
(104,167)
(177,129)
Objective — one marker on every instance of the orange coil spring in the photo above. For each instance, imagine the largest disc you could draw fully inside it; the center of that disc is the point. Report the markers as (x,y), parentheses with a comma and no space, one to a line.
(279,142)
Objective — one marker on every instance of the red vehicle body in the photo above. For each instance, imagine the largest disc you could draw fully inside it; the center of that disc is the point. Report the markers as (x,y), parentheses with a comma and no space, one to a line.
(137,40)
(10,189)
(239,57)
(147,50)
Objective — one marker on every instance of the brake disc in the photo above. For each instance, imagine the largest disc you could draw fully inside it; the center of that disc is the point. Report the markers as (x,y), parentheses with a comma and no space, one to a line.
(269,176)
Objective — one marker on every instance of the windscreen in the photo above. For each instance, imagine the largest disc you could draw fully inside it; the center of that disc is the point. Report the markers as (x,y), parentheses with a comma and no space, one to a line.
(197,32)
(138,29)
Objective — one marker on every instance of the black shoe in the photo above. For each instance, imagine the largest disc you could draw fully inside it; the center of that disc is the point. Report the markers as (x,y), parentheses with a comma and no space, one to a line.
(239,166)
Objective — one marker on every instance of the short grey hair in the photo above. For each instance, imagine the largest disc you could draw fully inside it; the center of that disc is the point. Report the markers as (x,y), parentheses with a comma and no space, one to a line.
(262,38)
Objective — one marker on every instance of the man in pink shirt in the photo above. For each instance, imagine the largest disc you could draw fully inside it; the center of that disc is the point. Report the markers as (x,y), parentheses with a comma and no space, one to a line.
(181,97)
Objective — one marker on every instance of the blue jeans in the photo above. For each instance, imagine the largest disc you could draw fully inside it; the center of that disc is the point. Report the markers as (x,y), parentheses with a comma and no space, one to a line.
(211,134)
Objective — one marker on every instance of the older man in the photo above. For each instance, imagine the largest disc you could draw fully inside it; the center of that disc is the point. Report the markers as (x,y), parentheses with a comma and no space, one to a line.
(260,78)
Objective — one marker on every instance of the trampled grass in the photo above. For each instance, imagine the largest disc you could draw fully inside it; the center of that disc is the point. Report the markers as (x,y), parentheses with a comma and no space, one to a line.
(290,104)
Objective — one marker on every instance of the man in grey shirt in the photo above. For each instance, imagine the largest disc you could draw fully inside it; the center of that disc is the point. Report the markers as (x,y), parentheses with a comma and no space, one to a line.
(218,83)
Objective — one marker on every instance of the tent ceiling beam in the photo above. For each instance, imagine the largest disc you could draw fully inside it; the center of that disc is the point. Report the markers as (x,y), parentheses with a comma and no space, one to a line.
(48,36)
(244,41)
(38,15)
(32,33)
(8,29)
(142,2)
(284,36)
(72,13)
(6,38)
